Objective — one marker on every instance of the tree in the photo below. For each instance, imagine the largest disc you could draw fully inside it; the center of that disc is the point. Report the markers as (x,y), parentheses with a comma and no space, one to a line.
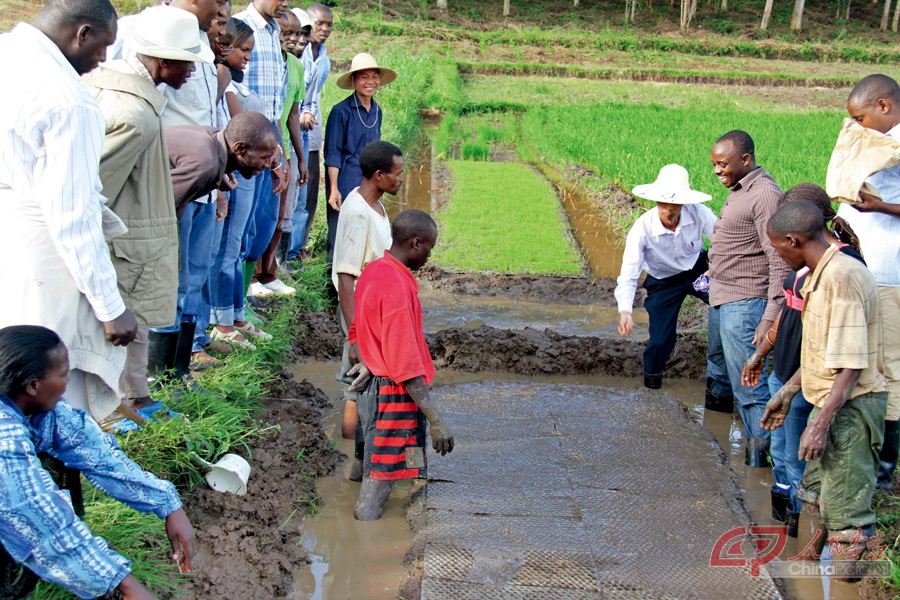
(767,15)
(896,21)
(629,10)
(886,16)
(797,17)
(685,15)
(505,8)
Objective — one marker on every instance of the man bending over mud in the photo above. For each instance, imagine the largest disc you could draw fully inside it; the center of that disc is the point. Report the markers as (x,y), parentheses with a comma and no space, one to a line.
(387,334)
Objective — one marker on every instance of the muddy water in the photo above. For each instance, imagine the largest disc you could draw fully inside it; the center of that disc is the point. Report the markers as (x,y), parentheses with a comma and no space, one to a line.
(354,560)
(420,189)
(443,310)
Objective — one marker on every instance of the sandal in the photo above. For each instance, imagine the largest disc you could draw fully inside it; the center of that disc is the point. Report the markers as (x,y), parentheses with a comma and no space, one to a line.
(232,337)
(253,332)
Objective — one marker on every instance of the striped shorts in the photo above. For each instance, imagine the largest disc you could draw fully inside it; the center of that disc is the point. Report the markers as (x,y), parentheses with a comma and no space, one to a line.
(394,430)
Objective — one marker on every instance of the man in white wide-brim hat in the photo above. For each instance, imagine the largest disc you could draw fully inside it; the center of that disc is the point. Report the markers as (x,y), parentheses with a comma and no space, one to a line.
(134,171)
(667,243)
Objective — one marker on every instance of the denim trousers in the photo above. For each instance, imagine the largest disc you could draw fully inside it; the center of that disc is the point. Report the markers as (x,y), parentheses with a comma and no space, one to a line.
(731,330)
(844,476)
(196,233)
(227,274)
(300,216)
(263,217)
(785,445)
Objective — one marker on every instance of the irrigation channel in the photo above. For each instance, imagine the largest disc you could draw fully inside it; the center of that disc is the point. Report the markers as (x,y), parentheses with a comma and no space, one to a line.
(561,486)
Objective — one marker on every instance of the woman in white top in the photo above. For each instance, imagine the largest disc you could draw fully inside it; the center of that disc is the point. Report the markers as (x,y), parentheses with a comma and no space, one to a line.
(667,243)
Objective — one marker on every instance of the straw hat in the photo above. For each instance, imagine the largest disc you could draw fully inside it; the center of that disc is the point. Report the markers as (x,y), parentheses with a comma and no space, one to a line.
(361,62)
(673,186)
(170,33)
(305,21)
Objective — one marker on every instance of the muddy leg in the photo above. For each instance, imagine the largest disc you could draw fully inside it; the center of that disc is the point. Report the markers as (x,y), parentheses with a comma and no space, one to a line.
(373,494)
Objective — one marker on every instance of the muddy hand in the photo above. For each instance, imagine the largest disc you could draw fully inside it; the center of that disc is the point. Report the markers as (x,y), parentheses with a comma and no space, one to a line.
(812,442)
(181,537)
(362,377)
(753,368)
(777,407)
(441,437)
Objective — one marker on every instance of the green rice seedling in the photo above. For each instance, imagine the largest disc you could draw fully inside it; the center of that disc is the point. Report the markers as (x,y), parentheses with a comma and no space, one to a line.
(503,217)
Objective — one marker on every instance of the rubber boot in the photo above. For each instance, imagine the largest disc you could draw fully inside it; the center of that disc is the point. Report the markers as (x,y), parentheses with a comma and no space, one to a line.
(792,520)
(723,404)
(780,501)
(887,458)
(161,353)
(848,546)
(811,530)
(373,493)
(652,382)
(184,348)
(757,452)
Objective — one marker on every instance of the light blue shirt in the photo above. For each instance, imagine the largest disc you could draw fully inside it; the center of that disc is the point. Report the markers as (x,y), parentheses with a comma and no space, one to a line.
(879,234)
(38,526)
(267,70)
(320,67)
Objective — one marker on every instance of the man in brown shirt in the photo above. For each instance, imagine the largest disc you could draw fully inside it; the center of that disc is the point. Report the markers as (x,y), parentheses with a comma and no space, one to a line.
(745,294)
(841,375)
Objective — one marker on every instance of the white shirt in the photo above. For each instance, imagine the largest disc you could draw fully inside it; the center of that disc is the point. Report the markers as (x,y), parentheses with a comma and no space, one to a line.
(362,236)
(659,251)
(194,103)
(879,234)
(51,138)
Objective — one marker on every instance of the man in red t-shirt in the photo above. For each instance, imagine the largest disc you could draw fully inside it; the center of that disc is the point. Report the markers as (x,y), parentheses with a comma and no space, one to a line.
(388,336)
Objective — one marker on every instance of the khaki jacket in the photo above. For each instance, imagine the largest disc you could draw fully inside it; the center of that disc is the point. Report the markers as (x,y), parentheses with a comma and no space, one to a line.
(134,170)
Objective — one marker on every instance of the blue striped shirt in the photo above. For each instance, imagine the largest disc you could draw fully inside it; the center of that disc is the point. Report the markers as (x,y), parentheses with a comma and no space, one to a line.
(879,234)
(266,72)
(38,526)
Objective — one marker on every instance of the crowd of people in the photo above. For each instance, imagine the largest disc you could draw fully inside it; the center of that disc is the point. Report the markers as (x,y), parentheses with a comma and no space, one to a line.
(160,192)
(159,187)
(786,272)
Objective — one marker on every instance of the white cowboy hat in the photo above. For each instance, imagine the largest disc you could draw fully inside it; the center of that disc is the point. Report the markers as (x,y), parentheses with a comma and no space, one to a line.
(361,62)
(672,185)
(170,33)
(305,21)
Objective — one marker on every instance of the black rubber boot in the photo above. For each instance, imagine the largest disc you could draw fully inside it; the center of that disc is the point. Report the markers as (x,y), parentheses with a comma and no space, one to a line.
(721,404)
(183,349)
(780,501)
(887,458)
(161,352)
(757,452)
(652,382)
(792,521)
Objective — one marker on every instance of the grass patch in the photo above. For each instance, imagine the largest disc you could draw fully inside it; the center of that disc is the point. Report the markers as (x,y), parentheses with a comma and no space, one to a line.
(503,217)
(626,144)
(220,418)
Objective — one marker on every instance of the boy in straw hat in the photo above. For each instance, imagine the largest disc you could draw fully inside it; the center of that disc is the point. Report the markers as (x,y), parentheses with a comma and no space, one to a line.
(353,124)
(134,171)
(667,243)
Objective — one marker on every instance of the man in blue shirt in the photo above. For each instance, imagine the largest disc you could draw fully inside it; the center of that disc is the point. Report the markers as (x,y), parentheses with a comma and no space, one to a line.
(38,526)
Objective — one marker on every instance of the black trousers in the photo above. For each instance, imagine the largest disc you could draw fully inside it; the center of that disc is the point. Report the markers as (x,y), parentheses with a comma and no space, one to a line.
(663,303)
(312,191)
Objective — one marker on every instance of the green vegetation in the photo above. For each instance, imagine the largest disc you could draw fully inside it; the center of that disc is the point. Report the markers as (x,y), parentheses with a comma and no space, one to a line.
(219,418)
(503,217)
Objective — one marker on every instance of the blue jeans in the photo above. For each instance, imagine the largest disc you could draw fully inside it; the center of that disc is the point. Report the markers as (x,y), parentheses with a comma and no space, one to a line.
(731,330)
(196,232)
(300,217)
(785,444)
(227,274)
(263,217)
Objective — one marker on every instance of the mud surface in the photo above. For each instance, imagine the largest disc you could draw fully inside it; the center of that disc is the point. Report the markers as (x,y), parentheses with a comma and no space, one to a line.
(533,352)
(247,545)
(316,335)
(530,288)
